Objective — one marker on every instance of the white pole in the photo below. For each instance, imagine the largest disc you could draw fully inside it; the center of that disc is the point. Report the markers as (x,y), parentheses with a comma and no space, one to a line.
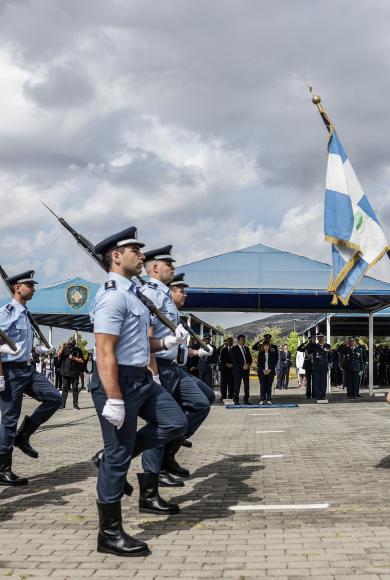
(201,330)
(328,316)
(50,335)
(371,354)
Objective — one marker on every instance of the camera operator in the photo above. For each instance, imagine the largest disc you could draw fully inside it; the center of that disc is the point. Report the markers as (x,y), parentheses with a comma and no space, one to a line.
(71,367)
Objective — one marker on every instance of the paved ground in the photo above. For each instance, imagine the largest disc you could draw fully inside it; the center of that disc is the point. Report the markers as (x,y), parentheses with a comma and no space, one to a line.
(337,454)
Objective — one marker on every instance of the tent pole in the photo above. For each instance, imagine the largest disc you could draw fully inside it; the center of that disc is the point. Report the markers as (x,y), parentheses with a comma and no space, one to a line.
(201,330)
(371,354)
(50,335)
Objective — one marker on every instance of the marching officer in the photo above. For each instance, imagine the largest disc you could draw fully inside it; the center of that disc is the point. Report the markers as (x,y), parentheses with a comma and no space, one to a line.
(353,367)
(172,376)
(122,389)
(20,377)
(321,363)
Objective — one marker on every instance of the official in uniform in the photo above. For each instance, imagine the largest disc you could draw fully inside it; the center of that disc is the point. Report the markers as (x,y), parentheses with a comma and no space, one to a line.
(122,389)
(321,363)
(21,378)
(308,364)
(167,365)
(353,367)
(364,353)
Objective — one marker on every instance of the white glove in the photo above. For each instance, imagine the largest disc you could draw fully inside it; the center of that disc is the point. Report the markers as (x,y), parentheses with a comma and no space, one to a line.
(114,412)
(2,384)
(5,349)
(156,379)
(180,337)
(204,352)
(44,350)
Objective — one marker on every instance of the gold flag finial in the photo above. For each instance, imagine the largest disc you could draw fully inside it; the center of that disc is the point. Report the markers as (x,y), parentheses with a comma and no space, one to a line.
(315,99)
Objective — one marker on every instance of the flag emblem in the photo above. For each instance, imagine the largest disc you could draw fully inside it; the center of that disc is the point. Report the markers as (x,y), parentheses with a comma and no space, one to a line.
(77,296)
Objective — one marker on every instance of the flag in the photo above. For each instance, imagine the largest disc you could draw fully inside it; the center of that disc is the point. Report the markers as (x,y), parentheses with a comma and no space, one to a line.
(350,223)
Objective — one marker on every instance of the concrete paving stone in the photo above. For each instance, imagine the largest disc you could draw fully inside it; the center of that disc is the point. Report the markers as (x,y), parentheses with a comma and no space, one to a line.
(50,526)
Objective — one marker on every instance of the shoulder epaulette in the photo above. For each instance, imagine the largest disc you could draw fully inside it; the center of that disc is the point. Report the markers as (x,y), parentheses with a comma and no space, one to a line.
(152,285)
(110,285)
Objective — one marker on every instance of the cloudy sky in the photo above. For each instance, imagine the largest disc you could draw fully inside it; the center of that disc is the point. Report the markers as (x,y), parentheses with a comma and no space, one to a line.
(188,118)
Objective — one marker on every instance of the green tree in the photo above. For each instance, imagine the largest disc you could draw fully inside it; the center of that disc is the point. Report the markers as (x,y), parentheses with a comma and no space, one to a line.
(82,343)
(292,341)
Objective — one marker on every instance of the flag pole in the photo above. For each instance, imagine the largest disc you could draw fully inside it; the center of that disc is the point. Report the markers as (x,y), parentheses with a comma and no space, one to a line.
(316,100)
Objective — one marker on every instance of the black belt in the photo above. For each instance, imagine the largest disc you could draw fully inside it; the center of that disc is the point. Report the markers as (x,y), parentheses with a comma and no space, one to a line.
(16,365)
(134,372)
(165,362)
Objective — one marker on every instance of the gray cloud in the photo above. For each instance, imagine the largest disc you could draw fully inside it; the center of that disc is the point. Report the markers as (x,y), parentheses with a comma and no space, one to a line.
(191,119)
(63,86)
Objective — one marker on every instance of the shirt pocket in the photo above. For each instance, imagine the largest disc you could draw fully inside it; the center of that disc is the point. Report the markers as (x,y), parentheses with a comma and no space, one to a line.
(20,327)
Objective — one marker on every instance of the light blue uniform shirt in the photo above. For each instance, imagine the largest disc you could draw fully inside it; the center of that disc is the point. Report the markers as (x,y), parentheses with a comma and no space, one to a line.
(160,295)
(14,322)
(118,311)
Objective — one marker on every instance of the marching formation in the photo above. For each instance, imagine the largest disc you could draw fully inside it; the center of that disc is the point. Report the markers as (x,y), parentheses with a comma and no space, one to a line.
(140,354)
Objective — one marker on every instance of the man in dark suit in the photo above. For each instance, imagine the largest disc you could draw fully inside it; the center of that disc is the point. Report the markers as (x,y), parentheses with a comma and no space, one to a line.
(226,366)
(284,365)
(242,360)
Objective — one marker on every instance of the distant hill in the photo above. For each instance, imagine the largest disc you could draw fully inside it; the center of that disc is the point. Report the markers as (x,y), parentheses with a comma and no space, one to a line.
(286,322)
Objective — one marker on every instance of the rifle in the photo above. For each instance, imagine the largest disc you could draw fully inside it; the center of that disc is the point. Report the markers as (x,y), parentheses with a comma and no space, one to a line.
(7,340)
(88,247)
(184,324)
(38,332)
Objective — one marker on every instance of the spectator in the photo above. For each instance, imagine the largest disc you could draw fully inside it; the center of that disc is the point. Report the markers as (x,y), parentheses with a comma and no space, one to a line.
(72,364)
(226,367)
(205,364)
(88,369)
(242,360)
(193,361)
(266,365)
(283,368)
(301,373)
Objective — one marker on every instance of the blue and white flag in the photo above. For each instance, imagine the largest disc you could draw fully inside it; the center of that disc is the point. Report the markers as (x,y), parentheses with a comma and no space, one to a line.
(358,241)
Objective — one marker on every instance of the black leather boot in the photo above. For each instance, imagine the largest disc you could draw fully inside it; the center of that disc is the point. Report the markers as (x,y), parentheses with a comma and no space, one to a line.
(7,477)
(187,443)
(112,538)
(22,439)
(150,501)
(169,463)
(128,488)
(76,400)
(165,479)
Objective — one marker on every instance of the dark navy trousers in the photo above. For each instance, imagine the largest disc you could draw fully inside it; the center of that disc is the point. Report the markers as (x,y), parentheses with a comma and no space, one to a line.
(320,381)
(193,396)
(21,379)
(143,398)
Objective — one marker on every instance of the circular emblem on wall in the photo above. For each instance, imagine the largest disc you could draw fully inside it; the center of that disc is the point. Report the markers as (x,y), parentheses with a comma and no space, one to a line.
(76,296)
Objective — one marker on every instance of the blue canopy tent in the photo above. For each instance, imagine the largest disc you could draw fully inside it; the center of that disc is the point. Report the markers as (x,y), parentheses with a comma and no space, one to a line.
(261,278)
(66,305)
(349,324)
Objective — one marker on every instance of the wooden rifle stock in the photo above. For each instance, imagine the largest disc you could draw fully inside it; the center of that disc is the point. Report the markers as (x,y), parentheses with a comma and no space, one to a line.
(5,338)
